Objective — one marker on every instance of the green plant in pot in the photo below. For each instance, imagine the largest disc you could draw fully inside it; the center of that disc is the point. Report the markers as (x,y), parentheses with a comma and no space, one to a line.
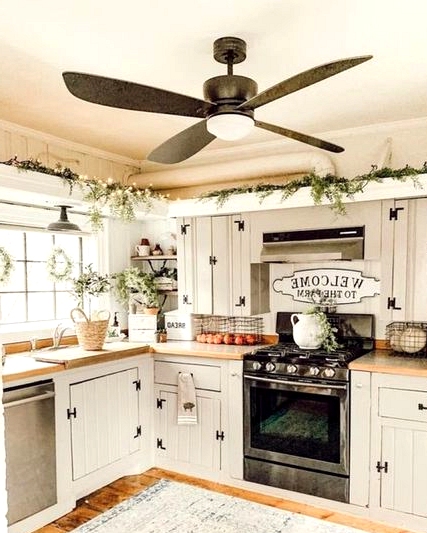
(131,285)
(88,285)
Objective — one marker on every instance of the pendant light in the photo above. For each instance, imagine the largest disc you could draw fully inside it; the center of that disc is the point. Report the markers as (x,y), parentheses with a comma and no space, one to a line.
(63,224)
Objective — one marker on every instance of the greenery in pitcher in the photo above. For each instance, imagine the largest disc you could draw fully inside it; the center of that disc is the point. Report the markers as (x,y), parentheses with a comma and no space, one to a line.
(327,334)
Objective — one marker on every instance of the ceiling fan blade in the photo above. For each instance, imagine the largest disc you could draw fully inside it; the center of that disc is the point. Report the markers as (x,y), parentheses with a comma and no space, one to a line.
(183,145)
(301,80)
(302,137)
(127,95)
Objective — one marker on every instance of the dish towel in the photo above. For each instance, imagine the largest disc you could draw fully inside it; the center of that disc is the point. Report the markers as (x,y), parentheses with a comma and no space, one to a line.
(187,406)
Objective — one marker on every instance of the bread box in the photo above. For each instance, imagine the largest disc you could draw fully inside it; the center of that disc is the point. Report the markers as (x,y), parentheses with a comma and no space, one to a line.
(182,326)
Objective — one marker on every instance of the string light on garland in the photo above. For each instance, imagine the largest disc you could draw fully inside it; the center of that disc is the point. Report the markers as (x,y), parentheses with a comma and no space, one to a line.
(330,187)
(59,266)
(6,266)
(121,200)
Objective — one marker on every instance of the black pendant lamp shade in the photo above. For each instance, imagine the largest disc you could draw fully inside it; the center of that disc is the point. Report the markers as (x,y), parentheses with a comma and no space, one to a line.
(63,224)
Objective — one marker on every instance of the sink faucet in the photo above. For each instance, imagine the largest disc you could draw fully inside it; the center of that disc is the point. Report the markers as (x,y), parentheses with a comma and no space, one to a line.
(58,333)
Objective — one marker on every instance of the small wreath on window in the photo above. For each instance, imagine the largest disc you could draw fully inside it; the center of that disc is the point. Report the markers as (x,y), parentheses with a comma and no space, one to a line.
(6,266)
(59,266)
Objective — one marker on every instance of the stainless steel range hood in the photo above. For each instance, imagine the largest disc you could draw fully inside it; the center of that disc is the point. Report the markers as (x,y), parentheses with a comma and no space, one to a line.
(302,246)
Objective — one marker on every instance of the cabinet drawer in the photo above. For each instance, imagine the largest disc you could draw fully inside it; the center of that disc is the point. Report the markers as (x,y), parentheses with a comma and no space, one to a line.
(206,377)
(404,404)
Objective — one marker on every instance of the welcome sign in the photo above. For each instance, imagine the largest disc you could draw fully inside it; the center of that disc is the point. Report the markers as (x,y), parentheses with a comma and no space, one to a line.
(343,286)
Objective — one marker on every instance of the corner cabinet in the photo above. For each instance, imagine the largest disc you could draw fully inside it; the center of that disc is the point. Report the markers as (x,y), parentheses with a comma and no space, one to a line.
(205,448)
(399,448)
(105,422)
(215,274)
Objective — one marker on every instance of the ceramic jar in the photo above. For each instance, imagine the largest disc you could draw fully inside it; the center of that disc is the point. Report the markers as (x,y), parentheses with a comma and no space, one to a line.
(307,331)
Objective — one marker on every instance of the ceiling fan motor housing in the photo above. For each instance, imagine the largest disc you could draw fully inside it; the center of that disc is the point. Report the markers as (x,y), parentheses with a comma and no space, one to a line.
(229,89)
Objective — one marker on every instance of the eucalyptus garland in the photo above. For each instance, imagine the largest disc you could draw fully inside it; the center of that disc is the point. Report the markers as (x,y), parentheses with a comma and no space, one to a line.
(6,266)
(59,266)
(122,200)
(331,188)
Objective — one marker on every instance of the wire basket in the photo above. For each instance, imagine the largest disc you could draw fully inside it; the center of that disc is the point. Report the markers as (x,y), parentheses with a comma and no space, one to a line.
(231,330)
(407,339)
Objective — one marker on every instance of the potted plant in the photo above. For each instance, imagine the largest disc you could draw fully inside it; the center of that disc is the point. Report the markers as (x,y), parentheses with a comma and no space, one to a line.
(132,286)
(88,285)
(91,327)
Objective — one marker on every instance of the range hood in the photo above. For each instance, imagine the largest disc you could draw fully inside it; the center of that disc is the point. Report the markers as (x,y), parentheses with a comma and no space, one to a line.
(302,246)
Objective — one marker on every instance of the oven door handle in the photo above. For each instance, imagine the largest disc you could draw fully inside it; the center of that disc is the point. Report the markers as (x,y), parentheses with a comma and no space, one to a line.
(297,383)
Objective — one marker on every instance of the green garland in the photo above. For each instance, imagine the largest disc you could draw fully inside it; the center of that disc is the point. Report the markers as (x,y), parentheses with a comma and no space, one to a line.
(330,187)
(6,266)
(121,200)
(59,266)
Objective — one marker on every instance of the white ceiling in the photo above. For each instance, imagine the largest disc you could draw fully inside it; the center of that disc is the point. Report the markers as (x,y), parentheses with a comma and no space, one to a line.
(168,44)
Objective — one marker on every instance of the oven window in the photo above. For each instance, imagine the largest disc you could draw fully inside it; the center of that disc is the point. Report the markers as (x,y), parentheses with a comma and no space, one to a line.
(296,423)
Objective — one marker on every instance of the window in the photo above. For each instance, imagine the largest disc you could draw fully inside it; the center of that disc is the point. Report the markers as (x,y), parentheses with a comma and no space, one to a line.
(30,296)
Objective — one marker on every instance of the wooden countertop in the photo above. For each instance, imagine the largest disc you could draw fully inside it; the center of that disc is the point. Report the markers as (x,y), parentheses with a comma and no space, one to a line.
(199,349)
(384,361)
(29,364)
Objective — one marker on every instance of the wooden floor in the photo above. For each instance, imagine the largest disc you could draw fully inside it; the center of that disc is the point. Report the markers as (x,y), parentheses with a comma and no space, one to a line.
(105,498)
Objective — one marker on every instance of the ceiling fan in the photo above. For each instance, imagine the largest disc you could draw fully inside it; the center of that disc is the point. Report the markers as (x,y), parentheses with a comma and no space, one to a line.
(227,111)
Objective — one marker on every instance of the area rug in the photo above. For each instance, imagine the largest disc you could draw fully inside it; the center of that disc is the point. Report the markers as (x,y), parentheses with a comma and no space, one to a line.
(169,506)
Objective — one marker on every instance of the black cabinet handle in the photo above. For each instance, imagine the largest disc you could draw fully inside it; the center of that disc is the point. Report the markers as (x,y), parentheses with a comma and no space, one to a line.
(421,407)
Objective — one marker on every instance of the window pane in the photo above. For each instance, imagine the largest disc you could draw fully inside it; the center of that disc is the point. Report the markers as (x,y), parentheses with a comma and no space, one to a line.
(71,246)
(38,278)
(12,308)
(17,279)
(13,241)
(40,306)
(64,303)
(39,245)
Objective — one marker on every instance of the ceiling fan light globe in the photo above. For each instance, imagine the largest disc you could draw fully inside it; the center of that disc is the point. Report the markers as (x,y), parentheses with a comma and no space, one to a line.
(230,126)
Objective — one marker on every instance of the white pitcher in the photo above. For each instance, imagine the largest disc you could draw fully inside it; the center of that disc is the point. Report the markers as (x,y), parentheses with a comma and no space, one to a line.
(307,331)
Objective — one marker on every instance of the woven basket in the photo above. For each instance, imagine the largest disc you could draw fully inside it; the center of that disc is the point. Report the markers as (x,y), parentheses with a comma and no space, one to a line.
(90,333)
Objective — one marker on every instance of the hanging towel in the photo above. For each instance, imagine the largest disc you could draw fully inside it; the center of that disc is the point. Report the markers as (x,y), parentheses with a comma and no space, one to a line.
(187,407)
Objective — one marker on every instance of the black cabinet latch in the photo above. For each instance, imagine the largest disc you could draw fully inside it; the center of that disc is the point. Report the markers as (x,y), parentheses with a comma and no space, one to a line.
(391,304)
(160,444)
(382,467)
(421,407)
(71,413)
(219,435)
(159,403)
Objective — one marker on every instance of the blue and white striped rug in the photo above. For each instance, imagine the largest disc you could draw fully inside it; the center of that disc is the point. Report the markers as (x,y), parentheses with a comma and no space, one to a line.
(169,506)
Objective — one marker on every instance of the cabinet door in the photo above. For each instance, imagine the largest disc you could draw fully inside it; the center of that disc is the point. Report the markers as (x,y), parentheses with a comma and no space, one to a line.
(185,264)
(193,444)
(104,428)
(212,265)
(221,266)
(394,258)
(404,448)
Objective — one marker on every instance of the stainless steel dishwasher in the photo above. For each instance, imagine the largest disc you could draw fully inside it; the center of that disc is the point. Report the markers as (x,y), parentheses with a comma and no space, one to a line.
(29,413)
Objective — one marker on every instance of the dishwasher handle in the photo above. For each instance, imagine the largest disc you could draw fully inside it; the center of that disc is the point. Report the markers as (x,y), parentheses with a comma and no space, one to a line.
(39,397)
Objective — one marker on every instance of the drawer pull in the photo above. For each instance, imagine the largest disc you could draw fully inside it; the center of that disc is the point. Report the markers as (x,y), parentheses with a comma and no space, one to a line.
(421,407)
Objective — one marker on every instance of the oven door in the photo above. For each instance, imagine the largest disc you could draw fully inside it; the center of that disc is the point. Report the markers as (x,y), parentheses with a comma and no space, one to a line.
(297,423)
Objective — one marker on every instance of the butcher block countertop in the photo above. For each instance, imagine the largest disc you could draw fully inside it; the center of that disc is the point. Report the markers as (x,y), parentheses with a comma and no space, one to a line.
(384,361)
(29,364)
(199,349)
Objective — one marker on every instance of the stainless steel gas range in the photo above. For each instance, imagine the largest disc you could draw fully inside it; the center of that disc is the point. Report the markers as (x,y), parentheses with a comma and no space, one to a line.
(296,410)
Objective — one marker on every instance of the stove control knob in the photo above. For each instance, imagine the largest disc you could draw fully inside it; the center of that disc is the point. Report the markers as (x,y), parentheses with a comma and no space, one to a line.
(291,369)
(256,365)
(270,367)
(313,371)
(329,372)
